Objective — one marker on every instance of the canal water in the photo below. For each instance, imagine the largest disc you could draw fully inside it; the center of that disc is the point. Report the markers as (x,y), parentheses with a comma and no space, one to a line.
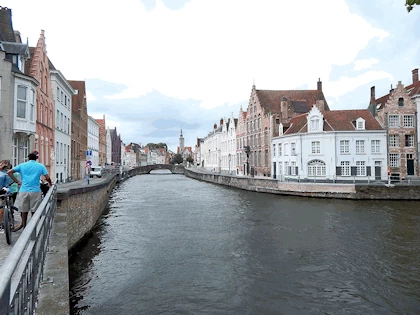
(169,244)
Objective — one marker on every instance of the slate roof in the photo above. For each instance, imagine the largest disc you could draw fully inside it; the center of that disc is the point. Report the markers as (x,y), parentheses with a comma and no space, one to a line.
(336,120)
(301,100)
(15,48)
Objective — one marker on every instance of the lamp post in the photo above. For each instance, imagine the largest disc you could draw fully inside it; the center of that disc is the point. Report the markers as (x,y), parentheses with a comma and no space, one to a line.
(229,156)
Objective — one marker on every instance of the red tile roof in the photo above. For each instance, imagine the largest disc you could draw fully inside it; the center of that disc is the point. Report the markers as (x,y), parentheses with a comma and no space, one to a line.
(412,89)
(302,100)
(336,120)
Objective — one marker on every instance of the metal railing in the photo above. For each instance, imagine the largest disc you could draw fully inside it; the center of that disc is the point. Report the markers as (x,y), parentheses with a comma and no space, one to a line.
(21,272)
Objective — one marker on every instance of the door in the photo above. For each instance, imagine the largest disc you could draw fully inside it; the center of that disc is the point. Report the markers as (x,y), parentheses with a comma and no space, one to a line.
(410,164)
(378,170)
(274,170)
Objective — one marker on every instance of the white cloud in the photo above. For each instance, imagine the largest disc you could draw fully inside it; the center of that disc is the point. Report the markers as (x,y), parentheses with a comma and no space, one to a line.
(364,63)
(90,96)
(210,50)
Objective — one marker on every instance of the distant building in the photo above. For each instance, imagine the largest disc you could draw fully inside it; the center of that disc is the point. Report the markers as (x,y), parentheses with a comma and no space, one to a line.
(92,152)
(102,140)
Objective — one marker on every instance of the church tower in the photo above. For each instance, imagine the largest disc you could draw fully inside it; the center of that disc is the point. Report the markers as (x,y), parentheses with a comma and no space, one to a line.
(181,143)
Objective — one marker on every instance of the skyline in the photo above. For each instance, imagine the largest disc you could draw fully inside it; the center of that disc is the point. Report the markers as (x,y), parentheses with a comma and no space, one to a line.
(158,66)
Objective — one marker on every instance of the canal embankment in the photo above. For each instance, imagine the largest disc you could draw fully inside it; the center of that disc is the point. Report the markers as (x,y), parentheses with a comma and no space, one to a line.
(356,191)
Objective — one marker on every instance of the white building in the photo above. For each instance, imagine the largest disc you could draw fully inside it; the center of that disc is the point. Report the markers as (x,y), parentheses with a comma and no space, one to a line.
(62,92)
(228,152)
(92,153)
(211,149)
(340,145)
(108,147)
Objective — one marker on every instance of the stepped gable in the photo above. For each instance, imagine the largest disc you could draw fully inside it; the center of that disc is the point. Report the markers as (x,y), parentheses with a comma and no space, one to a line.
(301,100)
(336,120)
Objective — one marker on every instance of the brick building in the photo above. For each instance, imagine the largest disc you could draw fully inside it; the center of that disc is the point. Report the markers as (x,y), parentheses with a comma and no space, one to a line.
(102,140)
(266,110)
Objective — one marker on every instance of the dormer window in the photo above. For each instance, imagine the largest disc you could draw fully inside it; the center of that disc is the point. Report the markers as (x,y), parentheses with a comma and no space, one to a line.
(360,124)
(314,125)
(400,102)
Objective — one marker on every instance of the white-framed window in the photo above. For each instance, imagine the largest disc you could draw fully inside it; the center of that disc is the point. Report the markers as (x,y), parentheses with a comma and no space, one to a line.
(375,146)
(286,168)
(317,168)
(286,149)
(409,140)
(280,147)
(345,168)
(344,146)
(316,147)
(21,101)
(32,105)
(274,150)
(360,168)
(394,160)
(360,146)
(408,121)
(394,140)
(293,169)
(314,124)
(393,121)
(293,148)
(360,124)
(280,168)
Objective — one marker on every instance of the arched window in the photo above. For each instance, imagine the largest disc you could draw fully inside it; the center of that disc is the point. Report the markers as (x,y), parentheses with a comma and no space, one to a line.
(316,168)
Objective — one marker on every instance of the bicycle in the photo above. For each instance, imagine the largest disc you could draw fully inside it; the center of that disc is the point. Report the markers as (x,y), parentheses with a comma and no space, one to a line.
(8,215)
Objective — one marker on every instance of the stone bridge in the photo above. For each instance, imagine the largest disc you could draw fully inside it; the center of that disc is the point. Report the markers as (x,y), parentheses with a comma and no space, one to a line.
(175,169)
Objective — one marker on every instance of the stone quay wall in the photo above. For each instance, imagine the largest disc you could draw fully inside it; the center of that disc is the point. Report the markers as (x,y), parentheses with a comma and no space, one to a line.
(83,206)
(320,190)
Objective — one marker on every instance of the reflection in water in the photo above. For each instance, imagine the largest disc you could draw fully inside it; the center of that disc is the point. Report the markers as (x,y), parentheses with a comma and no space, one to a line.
(170,244)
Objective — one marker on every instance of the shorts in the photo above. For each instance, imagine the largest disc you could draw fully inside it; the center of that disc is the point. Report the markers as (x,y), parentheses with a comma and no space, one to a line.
(28,201)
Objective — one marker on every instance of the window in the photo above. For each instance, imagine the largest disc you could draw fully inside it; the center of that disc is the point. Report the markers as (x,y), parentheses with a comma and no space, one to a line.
(376,146)
(280,168)
(345,168)
(286,168)
(408,121)
(316,168)
(266,137)
(280,147)
(286,149)
(32,105)
(274,150)
(394,160)
(360,146)
(58,93)
(277,121)
(316,147)
(315,124)
(360,168)
(293,147)
(21,101)
(293,169)
(360,124)
(344,146)
(400,102)
(266,158)
(409,140)
(393,121)
(394,140)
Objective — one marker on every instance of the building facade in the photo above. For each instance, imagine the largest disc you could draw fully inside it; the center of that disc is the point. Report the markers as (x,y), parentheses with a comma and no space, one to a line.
(102,141)
(211,149)
(228,146)
(38,68)
(340,145)
(92,153)
(63,94)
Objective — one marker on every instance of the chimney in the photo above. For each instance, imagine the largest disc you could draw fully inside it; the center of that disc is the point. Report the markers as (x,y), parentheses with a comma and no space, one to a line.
(6,27)
(390,91)
(415,75)
(319,85)
(372,94)
(215,126)
(221,121)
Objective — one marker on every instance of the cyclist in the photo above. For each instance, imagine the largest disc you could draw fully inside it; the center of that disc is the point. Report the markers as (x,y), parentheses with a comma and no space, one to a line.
(29,195)
(4,181)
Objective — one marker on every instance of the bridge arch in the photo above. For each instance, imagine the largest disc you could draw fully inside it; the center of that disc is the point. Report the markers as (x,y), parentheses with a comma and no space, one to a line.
(174,169)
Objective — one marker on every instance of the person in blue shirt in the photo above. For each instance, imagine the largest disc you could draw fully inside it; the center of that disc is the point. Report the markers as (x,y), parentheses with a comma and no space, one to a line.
(29,196)
(4,182)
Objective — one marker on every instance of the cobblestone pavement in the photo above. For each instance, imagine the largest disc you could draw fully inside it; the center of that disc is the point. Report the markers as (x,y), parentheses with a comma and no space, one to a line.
(5,248)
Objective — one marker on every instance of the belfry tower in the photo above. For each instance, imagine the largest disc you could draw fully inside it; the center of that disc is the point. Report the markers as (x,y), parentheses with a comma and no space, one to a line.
(181,143)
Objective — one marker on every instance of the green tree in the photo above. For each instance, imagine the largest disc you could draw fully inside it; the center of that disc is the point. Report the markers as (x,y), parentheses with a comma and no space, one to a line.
(157,145)
(177,159)
(411,3)
(190,159)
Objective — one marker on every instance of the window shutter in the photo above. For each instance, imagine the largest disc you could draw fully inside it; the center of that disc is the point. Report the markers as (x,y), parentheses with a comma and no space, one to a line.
(353,171)
(338,171)
(297,173)
(368,170)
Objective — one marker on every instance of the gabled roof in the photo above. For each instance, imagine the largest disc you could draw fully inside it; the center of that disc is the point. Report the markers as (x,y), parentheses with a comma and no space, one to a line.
(336,120)
(412,90)
(301,100)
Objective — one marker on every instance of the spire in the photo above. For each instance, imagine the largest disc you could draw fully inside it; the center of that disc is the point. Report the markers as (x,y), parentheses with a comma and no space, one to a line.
(181,131)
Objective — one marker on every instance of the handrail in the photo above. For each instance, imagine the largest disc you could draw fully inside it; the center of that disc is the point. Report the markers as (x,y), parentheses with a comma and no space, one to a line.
(21,272)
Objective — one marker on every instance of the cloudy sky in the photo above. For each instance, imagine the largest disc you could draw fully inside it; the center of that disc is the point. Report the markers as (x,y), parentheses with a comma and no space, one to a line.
(153,67)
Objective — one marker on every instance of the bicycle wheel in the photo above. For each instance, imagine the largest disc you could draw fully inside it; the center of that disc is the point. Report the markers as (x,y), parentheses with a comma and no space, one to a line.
(7,220)
(16,224)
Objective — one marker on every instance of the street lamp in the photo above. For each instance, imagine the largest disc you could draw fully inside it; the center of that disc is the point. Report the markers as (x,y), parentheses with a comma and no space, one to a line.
(229,156)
